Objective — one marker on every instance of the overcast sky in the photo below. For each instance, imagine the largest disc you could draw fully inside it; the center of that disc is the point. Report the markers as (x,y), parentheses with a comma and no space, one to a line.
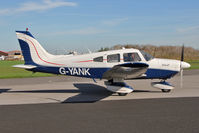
(81,24)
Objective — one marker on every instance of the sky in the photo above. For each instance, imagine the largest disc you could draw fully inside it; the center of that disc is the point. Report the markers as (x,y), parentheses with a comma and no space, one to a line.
(91,24)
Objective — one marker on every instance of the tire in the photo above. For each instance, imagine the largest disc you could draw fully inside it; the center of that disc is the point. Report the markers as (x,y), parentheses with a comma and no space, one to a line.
(166,90)
(122,94)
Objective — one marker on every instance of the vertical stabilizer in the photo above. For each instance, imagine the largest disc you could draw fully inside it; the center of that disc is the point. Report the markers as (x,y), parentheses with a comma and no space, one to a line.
(32,51)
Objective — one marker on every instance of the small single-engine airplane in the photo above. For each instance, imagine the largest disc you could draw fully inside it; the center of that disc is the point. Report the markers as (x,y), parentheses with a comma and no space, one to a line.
(115,66)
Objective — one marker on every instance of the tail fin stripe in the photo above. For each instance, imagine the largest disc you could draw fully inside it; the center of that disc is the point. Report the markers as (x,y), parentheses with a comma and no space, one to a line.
(40,57)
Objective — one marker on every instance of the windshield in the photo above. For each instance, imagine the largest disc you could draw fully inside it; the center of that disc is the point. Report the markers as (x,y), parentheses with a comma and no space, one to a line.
(128,57)
(146,55)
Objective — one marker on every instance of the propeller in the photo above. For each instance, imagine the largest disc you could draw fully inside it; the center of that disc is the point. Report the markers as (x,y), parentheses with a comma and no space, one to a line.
(181,68)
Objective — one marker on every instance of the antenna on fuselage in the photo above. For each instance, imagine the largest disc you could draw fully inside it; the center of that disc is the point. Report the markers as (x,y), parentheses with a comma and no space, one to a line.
(89,51)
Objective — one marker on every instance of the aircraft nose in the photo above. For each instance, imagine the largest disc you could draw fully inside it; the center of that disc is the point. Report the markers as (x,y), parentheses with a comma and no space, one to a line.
(185,65)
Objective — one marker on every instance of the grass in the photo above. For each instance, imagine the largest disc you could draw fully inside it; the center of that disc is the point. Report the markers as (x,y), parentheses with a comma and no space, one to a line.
(7,71)
(194,64)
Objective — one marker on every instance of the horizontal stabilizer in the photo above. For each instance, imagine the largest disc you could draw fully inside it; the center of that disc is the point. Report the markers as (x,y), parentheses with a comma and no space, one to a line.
(24,66)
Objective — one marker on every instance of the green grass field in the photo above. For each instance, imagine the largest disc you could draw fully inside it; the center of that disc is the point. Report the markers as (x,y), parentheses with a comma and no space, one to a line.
(7,71)
(194,64)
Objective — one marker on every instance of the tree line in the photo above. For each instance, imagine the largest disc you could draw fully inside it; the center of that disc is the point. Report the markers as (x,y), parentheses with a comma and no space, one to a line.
(170,52)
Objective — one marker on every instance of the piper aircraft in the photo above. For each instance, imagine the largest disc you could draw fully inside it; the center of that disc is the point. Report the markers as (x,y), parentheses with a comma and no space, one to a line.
(115,66)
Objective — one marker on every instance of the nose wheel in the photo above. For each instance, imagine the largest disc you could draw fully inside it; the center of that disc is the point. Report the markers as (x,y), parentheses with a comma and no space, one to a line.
(166,90)
(122,94)
(163,86)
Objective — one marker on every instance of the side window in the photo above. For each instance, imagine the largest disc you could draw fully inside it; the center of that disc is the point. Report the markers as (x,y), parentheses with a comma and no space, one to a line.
(128,57)
(98,59)
(113,58)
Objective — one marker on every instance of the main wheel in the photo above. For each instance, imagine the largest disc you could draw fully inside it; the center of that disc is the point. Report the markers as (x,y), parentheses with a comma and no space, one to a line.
(166,90)
(122,94)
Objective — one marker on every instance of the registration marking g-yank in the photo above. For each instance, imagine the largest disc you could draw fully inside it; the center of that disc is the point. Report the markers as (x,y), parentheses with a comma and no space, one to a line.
(74,71)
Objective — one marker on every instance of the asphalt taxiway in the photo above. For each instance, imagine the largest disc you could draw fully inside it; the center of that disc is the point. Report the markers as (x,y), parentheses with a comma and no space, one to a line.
(69,104)
(173,115)
(72,89)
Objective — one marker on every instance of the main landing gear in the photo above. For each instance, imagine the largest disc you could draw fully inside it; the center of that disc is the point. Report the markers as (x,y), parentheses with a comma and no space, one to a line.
(118,86)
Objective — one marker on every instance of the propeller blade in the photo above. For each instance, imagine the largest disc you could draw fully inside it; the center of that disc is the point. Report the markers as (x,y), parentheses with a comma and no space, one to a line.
(182,53)
(181,78)
(181,69)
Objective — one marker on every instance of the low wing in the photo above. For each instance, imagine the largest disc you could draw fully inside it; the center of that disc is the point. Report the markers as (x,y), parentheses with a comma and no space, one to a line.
(126,71)
(28,67)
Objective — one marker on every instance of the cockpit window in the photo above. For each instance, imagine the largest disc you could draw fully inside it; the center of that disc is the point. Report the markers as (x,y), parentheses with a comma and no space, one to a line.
(128,57)
(113,58)
(98,59)
(147,56)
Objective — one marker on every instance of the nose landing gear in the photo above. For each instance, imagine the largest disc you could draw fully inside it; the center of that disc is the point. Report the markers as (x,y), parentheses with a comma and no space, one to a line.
(163,85)
(118,87)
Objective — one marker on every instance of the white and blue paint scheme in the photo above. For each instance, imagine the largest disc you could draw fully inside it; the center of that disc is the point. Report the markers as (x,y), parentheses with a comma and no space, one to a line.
(114,66)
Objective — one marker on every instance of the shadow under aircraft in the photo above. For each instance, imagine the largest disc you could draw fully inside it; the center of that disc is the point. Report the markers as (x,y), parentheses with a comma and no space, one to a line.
(86,93)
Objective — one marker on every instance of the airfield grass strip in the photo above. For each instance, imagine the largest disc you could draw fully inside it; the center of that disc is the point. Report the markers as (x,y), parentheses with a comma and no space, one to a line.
(194,64)
(7,71)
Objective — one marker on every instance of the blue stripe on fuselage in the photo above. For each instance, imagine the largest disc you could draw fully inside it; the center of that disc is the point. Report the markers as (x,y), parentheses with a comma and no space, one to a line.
(159,73)
(73,71)
(98,72)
